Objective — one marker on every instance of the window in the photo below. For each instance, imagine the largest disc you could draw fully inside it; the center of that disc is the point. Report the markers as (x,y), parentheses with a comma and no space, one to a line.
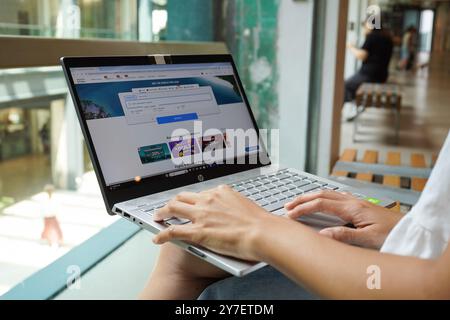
(49,196)
(70,18)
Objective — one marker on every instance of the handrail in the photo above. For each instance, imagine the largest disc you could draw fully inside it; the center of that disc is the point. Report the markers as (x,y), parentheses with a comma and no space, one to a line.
(49,281)
(21,52)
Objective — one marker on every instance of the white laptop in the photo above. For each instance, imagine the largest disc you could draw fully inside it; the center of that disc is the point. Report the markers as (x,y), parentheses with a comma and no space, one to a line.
(158,125)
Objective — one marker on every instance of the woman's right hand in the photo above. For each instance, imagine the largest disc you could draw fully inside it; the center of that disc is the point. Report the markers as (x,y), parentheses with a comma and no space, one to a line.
(372,223)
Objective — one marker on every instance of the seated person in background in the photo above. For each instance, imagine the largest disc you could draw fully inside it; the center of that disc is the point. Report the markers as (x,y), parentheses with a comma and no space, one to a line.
(375,55)
(408,49)
(411,252)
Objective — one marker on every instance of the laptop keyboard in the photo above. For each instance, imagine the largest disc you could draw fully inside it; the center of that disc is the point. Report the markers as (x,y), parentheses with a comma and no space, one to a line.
(271,191)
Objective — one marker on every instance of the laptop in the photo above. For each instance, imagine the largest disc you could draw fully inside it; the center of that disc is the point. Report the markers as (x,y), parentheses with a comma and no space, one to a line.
(160,124)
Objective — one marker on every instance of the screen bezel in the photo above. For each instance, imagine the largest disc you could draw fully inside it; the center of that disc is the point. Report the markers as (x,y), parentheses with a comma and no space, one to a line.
(159,183)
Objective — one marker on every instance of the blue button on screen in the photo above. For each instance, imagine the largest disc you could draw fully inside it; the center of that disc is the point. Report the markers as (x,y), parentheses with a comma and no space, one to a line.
(177,118)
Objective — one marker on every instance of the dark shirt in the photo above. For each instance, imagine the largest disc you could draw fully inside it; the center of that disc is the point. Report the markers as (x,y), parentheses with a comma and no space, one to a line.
(379,46)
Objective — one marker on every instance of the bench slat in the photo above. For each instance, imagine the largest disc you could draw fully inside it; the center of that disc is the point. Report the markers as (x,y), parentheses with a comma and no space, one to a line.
(418,184)
(393,158)
(418,160)
(370,156)
(393,181)
(349,155)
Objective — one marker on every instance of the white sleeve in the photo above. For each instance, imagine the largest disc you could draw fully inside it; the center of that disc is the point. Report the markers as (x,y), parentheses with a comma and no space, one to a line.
(409,238)
(425,231)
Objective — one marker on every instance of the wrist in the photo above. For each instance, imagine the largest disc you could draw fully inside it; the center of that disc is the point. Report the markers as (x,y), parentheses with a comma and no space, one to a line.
(262,235)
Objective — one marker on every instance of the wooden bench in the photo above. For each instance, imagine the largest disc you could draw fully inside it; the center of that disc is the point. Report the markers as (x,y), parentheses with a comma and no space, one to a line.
(375,95)
(403,183)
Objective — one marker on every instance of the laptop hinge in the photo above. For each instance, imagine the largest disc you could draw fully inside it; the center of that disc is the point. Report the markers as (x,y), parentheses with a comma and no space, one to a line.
(161,58)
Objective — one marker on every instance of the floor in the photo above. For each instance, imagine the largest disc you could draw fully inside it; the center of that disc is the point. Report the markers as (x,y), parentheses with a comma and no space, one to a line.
(22,252)
(425,117)
(24,176)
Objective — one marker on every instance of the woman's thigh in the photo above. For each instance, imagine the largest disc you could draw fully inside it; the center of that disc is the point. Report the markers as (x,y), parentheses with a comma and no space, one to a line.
(264,284)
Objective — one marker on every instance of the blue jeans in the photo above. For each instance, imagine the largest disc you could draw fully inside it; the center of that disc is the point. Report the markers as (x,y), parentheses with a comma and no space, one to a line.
(264,284)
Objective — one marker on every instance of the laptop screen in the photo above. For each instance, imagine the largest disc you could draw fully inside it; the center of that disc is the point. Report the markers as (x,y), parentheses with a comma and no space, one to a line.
(148,120)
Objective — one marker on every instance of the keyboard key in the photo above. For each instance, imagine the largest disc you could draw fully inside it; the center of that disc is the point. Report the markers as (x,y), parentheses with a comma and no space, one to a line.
(280,196)
(262,202)
(301,183)
(290,186)
(283,176)
(289,194)
(176,221)
(160,205)
(255,197)
(272,200)
(278,205)
(265,194)
(331,187)
(245,193)
(309,187)
(277,183)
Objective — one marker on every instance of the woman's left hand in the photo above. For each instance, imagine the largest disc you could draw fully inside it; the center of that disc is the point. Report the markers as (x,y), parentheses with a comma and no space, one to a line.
(222,220)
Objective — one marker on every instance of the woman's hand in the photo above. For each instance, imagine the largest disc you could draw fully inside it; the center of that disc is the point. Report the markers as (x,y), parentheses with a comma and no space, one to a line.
(179,275)
(373,223)
(222,220)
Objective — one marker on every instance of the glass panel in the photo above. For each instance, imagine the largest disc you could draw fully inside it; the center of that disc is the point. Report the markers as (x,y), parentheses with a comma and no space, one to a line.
(46,206)
(70,18)
(247,27)
(426,30)
(49,197)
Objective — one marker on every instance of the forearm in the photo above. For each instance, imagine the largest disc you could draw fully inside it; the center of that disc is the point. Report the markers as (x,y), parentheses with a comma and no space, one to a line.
(335,270)
(179,275)
(360,54)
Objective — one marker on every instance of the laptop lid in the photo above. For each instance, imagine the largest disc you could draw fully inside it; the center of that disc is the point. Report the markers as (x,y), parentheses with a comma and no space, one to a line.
(154,123)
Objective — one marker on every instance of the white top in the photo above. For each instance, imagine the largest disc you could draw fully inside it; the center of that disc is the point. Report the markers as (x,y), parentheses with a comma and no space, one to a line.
(425,231)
